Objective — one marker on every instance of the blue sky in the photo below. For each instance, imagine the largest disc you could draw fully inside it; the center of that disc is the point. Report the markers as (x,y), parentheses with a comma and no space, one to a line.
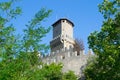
(83,13)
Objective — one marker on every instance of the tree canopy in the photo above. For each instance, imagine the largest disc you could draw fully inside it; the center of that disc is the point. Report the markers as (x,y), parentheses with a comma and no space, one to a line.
(19,55)
(106,44)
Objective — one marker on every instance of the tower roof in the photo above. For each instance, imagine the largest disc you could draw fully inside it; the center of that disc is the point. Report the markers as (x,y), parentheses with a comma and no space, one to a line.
(62,19)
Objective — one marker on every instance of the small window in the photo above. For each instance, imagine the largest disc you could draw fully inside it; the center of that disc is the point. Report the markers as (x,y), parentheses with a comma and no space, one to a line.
(78,53)
(63,20)
(62,57)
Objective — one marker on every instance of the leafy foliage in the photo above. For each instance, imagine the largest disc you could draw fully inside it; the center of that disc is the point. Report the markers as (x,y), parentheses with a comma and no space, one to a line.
(69,76)
(8,41)
(106,44)
(19,58)
(35,32)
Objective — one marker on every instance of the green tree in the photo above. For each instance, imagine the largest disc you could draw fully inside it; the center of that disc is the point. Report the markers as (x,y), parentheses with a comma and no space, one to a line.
(106,44)
(69,76)
(19,58)
(8,41)
(35,32)
(31,43)
(53,71)
(16,60)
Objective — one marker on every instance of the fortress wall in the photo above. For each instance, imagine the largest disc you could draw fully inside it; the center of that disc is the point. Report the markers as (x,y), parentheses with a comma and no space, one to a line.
(72,60)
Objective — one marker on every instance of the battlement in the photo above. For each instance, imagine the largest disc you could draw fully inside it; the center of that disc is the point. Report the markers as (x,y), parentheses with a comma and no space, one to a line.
(72,60)
(62,54)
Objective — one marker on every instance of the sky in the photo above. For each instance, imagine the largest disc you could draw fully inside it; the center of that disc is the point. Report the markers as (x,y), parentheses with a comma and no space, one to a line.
(83,13)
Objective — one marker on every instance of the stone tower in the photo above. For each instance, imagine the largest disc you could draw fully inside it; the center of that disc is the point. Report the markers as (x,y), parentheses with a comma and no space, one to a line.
(62,35)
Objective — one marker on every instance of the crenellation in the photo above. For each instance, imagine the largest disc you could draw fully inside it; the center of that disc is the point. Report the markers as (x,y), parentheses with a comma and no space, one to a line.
(75,53)
(72,60)
(67,54)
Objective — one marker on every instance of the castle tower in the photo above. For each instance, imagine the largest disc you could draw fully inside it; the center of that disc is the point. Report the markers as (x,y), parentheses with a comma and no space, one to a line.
(62,35)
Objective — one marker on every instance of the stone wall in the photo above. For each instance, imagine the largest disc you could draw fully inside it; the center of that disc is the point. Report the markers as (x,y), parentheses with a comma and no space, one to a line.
(72,60)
